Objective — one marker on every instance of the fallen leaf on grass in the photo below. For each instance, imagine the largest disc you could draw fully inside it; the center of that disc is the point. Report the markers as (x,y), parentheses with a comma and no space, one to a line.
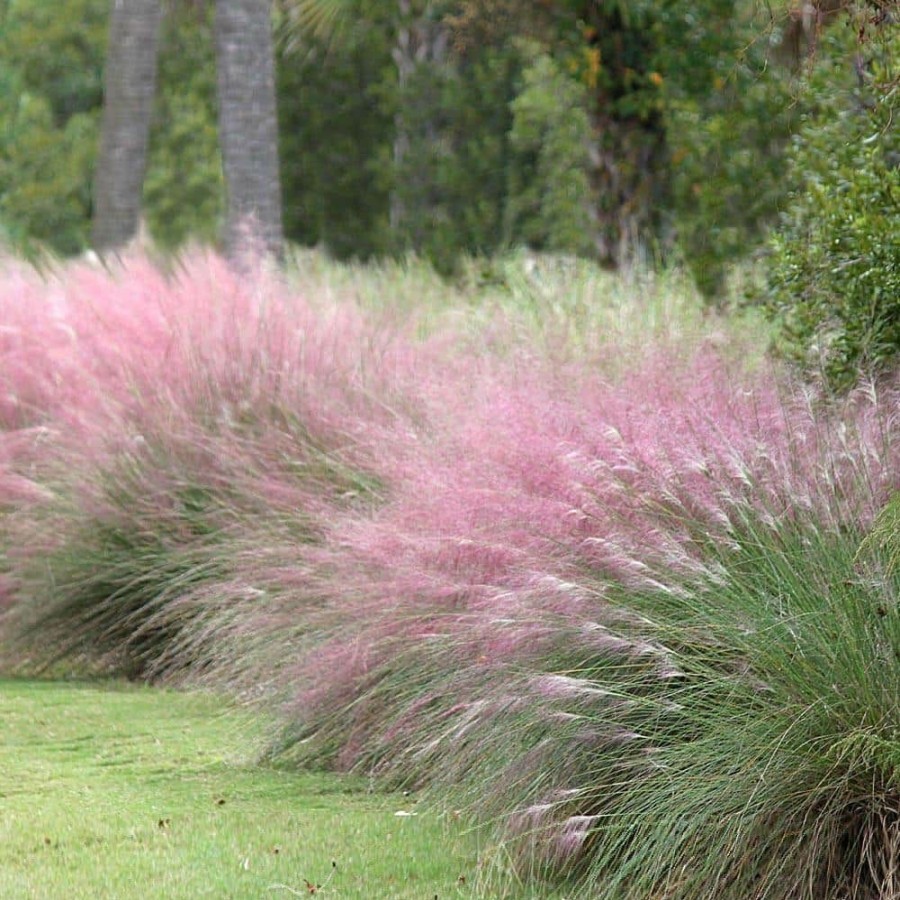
(311,887)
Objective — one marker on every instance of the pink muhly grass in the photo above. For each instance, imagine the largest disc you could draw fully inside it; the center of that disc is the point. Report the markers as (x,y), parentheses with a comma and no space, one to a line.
(495,572)
(502,564)
(79,339)
(176,402)
(658,505)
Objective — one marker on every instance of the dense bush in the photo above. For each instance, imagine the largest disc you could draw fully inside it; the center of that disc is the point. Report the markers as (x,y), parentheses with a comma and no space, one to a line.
(728,165)
(835,278)
(549,206)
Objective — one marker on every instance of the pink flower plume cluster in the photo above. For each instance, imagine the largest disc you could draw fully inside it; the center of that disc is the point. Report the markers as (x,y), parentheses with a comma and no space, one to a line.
(413,549)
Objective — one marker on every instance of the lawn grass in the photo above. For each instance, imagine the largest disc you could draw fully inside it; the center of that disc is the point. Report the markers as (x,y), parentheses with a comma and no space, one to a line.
(111,791)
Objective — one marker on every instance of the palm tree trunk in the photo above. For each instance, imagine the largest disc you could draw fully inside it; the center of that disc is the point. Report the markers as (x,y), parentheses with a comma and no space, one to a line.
(129,88)
(422,43)
(248,125)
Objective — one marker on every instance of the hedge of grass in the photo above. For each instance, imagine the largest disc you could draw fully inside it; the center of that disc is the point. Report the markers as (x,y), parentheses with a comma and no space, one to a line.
(627,610)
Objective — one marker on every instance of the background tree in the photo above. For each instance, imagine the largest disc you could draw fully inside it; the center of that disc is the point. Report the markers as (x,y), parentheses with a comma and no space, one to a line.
(247,122)
(592,127)
(248,125)
(50,91)
(549,205)
(129,89)
(335,137)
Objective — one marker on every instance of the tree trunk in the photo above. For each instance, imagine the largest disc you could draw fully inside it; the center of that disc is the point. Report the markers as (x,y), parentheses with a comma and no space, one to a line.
(628,161)
(422,43)
(248,125)
(129,88)
(629,156)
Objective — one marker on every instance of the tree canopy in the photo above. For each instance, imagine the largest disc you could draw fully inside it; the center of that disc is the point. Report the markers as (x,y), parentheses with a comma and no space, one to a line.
(612,130)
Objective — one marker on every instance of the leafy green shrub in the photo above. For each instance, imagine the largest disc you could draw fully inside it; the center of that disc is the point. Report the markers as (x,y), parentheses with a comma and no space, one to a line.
(835,282)
(549,202)
(45,176)
(727,159)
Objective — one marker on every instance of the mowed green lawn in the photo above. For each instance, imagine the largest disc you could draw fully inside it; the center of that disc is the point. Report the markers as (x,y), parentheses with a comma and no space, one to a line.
(123,792)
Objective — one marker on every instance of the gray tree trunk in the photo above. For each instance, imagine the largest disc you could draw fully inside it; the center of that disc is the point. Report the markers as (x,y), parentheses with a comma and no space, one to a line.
(129,88)
(422,41)
(248,125)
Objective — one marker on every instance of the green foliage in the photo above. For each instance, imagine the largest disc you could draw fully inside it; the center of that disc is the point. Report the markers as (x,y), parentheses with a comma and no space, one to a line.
(335,133)
(184,188)
(727,156)
(624,123)
(51,87)
(58,54)
(50,92)
(45,175)
(341,105)
(550,193)
(468,179)
(835,279)
(478,128)
(452,182)
(687,119)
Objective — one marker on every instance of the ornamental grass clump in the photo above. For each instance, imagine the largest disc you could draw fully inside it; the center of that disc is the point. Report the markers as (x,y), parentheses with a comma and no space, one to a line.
(536,477)
(640,621)
(212,415)
(629,628)
(739,741)
(132,566)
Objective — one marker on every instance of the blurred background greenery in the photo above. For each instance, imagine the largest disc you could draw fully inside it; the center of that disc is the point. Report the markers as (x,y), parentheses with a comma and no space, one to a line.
(709,133)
